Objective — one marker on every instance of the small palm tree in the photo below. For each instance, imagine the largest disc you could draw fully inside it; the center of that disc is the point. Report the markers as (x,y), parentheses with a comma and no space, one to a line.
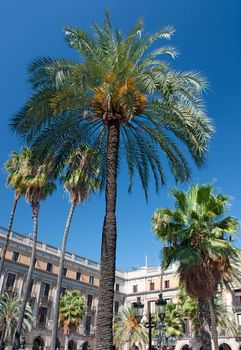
(71,312)
(122,99)
(174,320)
(127,330)
(198,236)
(79,182)
(13,166)
(37,186)
(189,309)
(10,306)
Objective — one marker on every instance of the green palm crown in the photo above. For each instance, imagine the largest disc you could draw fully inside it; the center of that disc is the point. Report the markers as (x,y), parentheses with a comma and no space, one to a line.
(198,236)
(119,79)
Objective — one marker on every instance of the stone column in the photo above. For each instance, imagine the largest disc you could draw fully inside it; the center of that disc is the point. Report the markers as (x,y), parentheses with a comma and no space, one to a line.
(51,314)
(36,303)
(20,284)
(2,280)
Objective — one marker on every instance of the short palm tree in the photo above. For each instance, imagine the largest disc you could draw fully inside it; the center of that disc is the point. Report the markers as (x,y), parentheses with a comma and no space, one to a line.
(13,167)
(127,330)
(71,312)
(198,236)
(121,98)
(79,181)
(10,306)
(37,186)
(174,320)
(189,309)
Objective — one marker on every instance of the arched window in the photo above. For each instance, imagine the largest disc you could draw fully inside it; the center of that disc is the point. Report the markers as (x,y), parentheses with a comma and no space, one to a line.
(38,344)
(85,346)
(224,346)
(72,345)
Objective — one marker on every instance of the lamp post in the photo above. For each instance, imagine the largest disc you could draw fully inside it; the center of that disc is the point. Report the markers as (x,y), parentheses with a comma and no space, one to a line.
(160,310)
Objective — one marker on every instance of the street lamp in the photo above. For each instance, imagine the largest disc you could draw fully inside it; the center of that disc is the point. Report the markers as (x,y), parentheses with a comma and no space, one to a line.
(160,310)
(161,307)
(138,309)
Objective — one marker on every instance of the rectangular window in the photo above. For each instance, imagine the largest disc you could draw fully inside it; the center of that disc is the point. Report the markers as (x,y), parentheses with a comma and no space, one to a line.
(152,286)
(62,291)
(186,327)
(89,301)
(15,256)
(31,286)
(42,316)
(135,288)
(116,308)
(87,325)
(49,267)
(238,300)
(91,280)
(167,284)
(65,271)
(239,319)
(78,276)
(117,287)
(151,306)
(46,290)
(10,281)
(35,262)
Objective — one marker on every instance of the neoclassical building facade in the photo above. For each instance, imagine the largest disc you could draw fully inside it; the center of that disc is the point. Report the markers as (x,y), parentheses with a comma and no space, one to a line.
(83,274)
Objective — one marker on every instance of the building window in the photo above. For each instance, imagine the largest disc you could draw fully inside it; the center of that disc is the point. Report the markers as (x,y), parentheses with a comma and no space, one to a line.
(116,308)
(78,276)
(62,292)
(65,271)
(35,262)
(46,290)
(152,286)
(87,325)
(42,316)
(49,267)
(10,281)
(117,287)
(239,319)
(31,286)
(89,301)
(167,284)
(15,256)
(135,288)
(91,280)
(151,306)
(238,300)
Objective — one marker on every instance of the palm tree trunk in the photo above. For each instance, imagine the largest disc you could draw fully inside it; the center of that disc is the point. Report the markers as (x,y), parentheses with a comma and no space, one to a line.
(60,277)
(104,335)
(66,343)
(16,342)
(213,320)
(5,247)
(204,328)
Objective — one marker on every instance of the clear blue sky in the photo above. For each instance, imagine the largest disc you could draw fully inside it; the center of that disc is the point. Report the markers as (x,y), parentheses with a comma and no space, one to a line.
(208,37)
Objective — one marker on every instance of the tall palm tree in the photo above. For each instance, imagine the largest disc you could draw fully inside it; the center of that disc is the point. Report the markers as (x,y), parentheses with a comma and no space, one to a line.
(120,99)
(10,306)
(198,235)
(37,186)
(127,330)
(13,167)
(71,312)
(79,182)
